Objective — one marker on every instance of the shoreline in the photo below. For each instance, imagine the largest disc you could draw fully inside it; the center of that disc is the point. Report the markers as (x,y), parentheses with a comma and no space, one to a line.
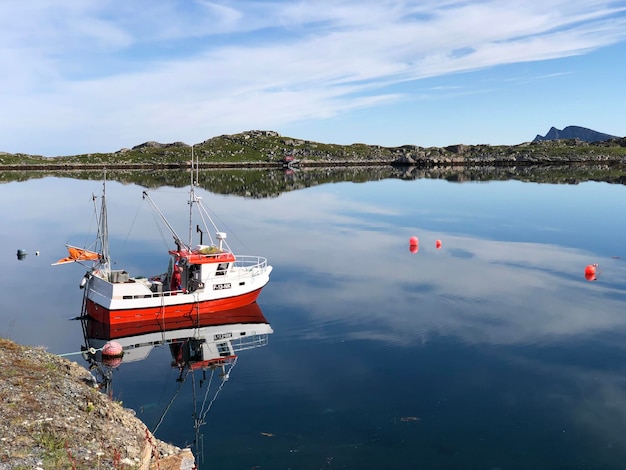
(432,163)
(53,416)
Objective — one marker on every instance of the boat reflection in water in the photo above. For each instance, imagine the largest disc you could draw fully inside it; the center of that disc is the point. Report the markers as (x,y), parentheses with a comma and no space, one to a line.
(207,345)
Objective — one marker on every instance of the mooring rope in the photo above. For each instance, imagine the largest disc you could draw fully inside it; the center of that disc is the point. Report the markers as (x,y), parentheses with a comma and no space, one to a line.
(90,351)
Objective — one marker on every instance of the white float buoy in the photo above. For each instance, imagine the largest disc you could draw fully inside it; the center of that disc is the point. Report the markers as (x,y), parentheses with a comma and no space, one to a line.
(112,354)
(112,349)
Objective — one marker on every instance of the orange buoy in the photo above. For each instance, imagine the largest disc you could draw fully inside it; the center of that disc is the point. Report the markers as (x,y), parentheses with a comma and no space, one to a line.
(590,272)
(438,244)
(414,248)
(414,241)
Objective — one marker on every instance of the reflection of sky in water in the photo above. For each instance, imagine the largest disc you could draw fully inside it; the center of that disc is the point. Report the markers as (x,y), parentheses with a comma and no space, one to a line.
(497,326)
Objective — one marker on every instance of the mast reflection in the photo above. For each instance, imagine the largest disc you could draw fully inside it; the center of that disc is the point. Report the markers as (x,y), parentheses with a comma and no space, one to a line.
(207,345)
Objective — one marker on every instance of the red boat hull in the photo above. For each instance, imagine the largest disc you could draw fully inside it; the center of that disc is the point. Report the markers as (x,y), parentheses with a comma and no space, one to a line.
(191,310)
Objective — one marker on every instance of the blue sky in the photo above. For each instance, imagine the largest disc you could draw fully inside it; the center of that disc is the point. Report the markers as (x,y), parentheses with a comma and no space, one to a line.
(81,77)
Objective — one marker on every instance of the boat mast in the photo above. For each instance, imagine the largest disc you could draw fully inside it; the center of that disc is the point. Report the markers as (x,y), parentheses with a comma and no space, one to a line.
(192,196)
(195,165)
(105,263)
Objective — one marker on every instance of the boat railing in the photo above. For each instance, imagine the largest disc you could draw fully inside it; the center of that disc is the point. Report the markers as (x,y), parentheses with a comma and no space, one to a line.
(249,342)
(250,262)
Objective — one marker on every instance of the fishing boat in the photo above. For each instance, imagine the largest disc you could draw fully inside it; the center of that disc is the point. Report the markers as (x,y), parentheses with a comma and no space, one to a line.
(201,279)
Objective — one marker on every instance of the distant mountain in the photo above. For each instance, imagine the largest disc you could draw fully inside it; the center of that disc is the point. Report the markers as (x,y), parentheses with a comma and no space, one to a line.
(575,132)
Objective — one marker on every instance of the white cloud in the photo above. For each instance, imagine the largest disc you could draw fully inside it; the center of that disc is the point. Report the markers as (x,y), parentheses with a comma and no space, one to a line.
(472,289)
(108,75)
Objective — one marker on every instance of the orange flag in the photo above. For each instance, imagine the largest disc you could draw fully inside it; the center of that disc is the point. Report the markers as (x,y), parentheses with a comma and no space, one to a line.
(78,254)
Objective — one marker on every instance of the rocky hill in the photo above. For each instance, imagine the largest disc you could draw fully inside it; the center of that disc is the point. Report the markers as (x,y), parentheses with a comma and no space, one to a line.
(575,132)
(266,149)
(52,416)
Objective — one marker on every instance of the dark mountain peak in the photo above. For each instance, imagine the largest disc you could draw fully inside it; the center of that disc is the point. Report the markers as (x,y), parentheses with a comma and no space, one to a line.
(575,132)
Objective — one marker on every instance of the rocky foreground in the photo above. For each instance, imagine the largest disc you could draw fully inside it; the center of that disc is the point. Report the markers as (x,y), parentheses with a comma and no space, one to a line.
(52,416)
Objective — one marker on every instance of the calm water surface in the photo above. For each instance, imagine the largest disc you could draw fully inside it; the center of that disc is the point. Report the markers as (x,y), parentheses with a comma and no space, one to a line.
(492,352)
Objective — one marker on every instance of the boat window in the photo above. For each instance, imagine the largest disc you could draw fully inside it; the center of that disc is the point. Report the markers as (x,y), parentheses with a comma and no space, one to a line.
(221,269)
(223,349)
(194,272)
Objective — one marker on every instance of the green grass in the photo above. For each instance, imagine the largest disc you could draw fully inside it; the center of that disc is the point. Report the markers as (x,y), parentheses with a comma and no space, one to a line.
(55,454)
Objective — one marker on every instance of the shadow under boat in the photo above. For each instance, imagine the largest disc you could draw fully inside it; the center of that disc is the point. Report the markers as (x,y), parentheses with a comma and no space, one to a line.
(210,337)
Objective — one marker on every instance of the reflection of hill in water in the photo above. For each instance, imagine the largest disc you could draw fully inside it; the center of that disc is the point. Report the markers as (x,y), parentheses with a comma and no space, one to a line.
(261,183)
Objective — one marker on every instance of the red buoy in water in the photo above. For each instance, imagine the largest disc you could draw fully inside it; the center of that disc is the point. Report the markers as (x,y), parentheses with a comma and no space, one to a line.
(590,272)
(438,244)
(414,241)
(414,248)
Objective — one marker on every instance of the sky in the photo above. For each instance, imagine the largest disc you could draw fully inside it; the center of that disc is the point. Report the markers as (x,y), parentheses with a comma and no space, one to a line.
(88,77)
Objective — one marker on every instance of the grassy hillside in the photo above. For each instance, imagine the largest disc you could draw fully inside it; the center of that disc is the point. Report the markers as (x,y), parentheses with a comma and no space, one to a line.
(268,148)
